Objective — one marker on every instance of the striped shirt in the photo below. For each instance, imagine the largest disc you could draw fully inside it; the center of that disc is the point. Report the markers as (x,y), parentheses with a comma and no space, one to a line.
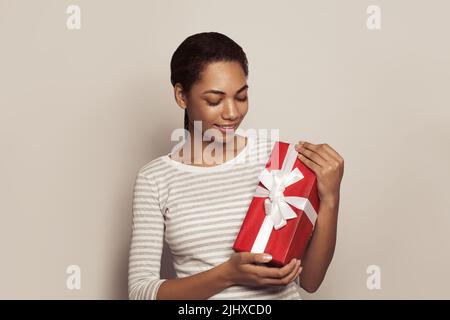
(198,211)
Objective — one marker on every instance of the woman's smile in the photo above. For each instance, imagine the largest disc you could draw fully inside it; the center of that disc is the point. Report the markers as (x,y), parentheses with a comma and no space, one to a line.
(226,128)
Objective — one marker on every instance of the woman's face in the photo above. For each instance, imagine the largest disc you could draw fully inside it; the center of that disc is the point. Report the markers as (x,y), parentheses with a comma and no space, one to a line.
(218,99)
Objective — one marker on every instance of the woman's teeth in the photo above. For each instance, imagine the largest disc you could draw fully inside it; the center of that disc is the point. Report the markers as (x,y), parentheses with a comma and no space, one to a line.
(225,127)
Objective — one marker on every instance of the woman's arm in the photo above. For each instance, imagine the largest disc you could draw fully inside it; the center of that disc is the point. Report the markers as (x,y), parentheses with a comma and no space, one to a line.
(320,250)
(146,245)
(242,268)
(196,287)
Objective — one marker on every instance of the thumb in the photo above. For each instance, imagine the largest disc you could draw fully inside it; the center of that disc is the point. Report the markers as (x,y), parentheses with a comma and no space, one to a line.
(262,257)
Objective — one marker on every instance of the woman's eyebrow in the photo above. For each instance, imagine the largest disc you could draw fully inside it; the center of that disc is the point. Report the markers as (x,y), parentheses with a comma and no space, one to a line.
(243,88)
(221,92)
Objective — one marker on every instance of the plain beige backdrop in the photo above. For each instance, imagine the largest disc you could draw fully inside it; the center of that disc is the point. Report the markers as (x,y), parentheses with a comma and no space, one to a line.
(82,110)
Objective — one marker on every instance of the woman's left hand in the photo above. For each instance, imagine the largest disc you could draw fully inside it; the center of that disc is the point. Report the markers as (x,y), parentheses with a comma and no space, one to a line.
(328,166)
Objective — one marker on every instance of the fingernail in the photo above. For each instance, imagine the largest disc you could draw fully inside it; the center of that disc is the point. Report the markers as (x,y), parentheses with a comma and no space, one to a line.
(267,257)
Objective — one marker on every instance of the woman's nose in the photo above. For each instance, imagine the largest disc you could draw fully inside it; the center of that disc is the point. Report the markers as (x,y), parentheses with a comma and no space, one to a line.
(230,111)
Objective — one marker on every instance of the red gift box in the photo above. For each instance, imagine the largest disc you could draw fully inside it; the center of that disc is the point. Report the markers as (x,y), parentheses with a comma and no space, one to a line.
(283,211)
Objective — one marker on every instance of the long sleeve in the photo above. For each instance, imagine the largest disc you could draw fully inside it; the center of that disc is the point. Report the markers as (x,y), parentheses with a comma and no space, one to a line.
(146,241)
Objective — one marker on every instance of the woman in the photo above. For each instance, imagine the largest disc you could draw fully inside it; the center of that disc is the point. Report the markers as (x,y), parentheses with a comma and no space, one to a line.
(198,205)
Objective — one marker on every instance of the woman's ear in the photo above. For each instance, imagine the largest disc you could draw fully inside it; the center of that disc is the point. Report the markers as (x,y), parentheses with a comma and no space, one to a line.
(180,96)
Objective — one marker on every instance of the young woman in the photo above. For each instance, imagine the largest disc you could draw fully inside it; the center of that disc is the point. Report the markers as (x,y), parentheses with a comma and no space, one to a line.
(198,206)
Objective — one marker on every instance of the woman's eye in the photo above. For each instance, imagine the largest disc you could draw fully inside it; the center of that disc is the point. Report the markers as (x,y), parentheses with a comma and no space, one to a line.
(213,103)
(242,98)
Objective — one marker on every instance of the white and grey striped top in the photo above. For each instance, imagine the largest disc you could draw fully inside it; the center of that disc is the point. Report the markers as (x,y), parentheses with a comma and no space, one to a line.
(198,211)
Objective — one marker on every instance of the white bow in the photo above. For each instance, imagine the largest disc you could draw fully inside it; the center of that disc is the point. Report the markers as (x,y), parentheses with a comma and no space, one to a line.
(275,181)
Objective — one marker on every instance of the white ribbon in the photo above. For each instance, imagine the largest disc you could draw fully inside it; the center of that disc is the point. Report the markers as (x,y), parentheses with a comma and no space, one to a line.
(276,205)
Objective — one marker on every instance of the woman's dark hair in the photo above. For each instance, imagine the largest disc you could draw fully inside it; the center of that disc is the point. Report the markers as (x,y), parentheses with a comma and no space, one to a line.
(196,52)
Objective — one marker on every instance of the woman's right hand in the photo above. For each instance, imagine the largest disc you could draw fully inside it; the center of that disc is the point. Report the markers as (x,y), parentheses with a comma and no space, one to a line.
(241,269)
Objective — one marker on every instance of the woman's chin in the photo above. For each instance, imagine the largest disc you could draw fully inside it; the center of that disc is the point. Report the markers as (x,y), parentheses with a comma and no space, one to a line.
(218,136)
(223,138)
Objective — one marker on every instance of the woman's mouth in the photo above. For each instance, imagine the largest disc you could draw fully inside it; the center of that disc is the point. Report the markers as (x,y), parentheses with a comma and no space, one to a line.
(225,128)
